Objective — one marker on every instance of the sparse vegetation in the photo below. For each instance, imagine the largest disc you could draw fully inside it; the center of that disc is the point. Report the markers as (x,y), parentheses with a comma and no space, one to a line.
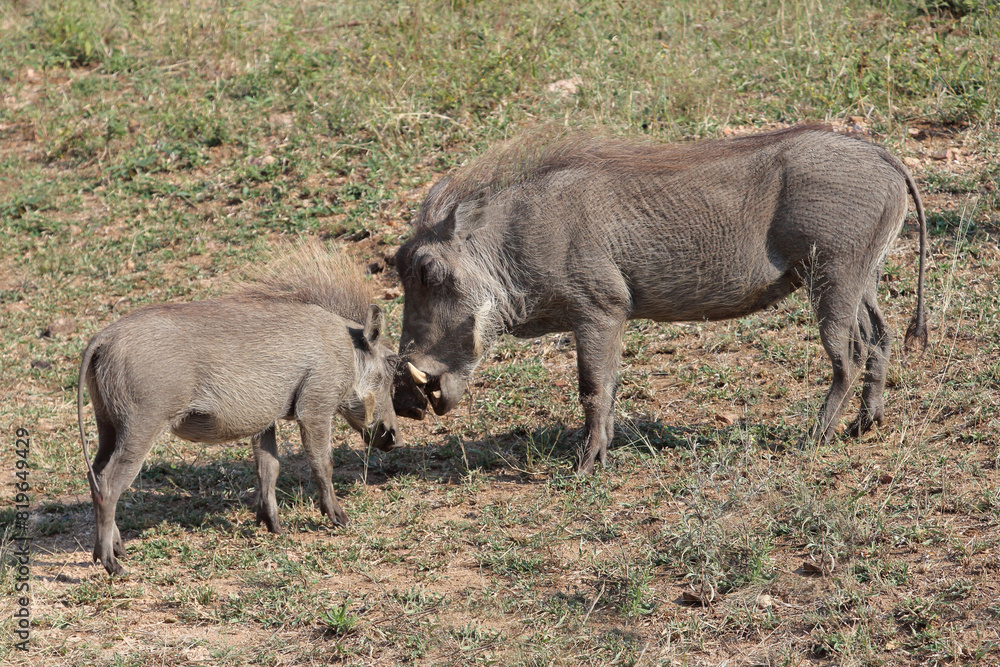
(150,152)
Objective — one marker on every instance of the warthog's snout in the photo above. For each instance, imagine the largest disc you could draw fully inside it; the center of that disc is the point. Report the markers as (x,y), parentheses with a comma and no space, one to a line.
(408,399)
(383,436)
(444,391)
(425,380)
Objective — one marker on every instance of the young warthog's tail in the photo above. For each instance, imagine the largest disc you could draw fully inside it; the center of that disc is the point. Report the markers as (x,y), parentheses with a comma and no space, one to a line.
(917,330)
(95,489)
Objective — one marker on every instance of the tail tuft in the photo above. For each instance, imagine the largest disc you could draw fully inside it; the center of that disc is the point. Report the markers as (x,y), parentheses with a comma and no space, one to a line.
(917,331)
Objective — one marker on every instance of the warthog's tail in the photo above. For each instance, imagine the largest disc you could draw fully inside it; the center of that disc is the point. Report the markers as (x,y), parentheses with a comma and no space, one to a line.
(918,324)
(95,489)
(917,330)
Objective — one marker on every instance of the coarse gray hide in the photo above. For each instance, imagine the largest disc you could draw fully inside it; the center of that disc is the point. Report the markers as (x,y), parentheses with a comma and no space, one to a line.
(220,370)
(584,234)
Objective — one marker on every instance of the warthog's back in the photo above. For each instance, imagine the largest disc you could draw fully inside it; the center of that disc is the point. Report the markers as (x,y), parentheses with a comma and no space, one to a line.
(693,234)
(225,366)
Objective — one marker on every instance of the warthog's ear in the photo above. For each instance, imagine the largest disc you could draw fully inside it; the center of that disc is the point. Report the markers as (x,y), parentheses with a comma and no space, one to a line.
(373,325)
(465,218)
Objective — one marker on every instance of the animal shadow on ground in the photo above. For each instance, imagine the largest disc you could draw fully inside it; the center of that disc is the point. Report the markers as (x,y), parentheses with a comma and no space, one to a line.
(644,433)
(543,449)
(203,493)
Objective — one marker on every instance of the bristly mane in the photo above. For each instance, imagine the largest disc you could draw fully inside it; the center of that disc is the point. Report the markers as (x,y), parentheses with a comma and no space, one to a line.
(540,152)
(310,274)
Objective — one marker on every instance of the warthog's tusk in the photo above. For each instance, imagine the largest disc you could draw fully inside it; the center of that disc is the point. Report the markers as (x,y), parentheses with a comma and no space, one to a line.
(418,375)
(436,394)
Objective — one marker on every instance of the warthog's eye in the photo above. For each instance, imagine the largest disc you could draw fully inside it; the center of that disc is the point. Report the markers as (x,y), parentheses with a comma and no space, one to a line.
(431,272)
(391,365)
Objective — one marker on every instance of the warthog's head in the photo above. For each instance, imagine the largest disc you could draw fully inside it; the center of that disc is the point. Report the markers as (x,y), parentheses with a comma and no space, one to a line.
(368,406)
(450,313)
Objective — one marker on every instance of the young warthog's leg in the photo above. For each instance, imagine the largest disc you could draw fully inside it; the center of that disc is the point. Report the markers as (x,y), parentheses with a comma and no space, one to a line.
(598,354)
(316,442)
(265,453)
(879,341)
(107,438)
(116,466)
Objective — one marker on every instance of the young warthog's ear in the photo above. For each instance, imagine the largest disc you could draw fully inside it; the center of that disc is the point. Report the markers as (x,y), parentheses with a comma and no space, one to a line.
(373,325)
(437,189)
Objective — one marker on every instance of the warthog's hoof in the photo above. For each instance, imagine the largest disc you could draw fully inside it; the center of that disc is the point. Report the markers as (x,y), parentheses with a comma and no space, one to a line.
(110,564)
(584,467)
(338,517)
(864,423)
(270,522)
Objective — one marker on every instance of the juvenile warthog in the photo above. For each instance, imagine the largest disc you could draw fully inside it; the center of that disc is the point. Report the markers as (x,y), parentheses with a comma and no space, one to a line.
(584,234)
(287,347)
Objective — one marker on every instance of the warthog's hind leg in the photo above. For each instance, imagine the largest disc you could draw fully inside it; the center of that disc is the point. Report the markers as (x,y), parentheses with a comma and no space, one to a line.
(116,466)
(878,340)
(107,438)
(836,311)
(265,453)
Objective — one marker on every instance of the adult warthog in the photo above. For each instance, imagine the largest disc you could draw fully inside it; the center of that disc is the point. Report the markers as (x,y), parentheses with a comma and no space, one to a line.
(291,346)
(583,234)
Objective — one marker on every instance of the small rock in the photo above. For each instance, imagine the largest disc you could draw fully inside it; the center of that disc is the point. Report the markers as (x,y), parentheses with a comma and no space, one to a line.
(726,418)
(268,160)
(74,230)
(40,364)
(764,601)
(282,119)
(566,87)
(885,478)
(64,325)
(912,162)
(690,599)
(392,293)
(812,569)
(917,133)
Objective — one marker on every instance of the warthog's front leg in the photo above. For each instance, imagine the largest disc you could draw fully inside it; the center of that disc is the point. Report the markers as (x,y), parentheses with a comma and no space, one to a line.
(265,453)
(316,442)
(598,354)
